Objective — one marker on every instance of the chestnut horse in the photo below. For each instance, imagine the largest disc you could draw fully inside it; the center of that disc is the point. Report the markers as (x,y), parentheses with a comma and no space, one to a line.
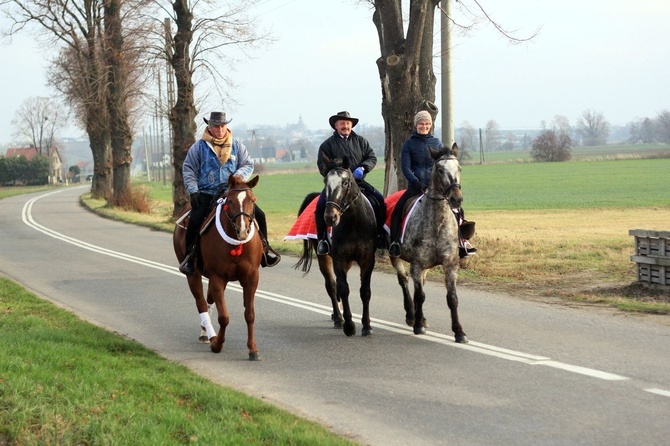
(229,249)
(353,238)
(430,239)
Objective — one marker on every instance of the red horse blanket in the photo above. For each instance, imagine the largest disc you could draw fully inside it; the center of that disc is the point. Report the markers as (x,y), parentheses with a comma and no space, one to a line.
(305,226)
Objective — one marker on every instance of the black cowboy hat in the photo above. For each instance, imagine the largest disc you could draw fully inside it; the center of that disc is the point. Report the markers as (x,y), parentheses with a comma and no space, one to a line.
(217,118)
(342,115)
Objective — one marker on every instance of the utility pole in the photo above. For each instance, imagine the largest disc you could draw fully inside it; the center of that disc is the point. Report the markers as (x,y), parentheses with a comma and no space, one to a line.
(254,145)
(446,83)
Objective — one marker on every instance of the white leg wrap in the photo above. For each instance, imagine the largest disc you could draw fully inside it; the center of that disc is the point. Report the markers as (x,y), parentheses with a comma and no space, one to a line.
(206,322)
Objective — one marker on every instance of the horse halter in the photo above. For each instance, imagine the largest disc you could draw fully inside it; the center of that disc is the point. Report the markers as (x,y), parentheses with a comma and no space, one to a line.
(343,207)
(232,219)
(453,184)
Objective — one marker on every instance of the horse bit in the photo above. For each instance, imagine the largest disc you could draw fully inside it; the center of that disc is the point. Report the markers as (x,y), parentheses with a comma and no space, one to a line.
(445,194)
(252,216)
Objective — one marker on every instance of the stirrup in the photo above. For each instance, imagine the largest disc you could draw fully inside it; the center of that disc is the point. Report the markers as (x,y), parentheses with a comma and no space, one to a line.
(394,249)
(267,259)
(187,266)
(323,248)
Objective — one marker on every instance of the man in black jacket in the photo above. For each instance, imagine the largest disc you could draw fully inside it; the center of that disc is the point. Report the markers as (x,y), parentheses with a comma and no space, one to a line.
(362,159)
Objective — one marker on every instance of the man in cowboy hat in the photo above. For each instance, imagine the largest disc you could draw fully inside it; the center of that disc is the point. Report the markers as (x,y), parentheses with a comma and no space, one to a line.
(345,142)
(209,163)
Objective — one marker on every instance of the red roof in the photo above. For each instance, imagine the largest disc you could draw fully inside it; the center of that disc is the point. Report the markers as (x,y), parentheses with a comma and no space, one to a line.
(28,152)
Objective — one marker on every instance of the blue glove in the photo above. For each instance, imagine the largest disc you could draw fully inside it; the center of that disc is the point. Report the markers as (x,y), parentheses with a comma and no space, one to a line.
(358,173)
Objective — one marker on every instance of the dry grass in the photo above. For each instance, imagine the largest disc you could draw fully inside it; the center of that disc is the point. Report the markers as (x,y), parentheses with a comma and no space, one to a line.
(580,254)
(576,255)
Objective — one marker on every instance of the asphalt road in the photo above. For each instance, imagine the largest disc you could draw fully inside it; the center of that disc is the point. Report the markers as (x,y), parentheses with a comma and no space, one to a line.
(533,373)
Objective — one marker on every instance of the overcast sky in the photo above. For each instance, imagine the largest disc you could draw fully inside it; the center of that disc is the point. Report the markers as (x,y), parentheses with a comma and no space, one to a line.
(611,56)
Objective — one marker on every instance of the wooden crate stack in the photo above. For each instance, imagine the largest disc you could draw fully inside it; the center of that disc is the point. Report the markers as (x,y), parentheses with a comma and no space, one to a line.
(652,255)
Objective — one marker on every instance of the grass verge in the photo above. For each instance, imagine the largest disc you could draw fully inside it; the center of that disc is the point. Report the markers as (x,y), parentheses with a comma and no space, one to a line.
(67,382)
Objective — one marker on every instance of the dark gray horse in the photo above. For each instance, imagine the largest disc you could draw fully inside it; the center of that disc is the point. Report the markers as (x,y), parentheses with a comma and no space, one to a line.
(353,238)
(431,239)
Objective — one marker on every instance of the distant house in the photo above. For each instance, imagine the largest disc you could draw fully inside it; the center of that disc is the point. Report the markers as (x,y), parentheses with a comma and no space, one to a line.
(56,163)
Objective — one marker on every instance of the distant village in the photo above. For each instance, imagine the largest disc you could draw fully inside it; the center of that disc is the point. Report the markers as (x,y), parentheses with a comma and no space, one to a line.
(267,144)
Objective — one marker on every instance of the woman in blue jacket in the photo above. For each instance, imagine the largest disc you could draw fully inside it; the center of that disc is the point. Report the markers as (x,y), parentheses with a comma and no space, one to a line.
(417,166)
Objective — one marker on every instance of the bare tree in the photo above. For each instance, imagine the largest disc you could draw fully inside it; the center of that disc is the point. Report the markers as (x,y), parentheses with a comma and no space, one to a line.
(593,128)
(38,120)
(119,125)
(642,130)
(552,145)
(491,135)
(468,140)
(198,36)
(561,124)
(406,68)
(89,70)
(663,126)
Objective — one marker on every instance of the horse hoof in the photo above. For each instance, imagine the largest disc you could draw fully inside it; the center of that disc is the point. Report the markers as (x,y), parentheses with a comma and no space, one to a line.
(203,340)
(409,322)
(462,339)
(366,332)
(213,345)
(337,324)
(349,329)
(254,356)
(419,330)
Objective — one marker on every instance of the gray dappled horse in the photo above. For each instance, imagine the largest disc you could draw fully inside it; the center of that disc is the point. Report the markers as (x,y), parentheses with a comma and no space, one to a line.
(431,239)
(353,239)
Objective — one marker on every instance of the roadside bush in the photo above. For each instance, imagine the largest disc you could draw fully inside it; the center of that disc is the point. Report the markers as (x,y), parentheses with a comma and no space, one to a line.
(138,199)
(552,146)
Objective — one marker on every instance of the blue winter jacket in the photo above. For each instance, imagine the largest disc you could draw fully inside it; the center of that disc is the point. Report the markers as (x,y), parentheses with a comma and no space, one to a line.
(203,171)
(415,158)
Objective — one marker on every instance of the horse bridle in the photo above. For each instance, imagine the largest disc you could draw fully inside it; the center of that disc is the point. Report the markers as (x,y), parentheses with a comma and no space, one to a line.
(344,207)
(252,216)
(446,193)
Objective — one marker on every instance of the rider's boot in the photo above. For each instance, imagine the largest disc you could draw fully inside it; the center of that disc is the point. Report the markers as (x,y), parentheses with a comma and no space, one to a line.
(323,247)
(270,256)
(187,266)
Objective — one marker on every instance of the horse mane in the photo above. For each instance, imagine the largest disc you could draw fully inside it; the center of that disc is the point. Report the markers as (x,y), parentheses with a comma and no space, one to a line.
(335,163)
(443,152)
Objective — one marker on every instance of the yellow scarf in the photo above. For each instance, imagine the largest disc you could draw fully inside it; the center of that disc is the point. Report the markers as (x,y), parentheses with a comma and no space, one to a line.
(222,146)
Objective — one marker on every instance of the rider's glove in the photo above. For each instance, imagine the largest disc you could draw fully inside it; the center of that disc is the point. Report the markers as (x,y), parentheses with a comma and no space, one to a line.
(358,173)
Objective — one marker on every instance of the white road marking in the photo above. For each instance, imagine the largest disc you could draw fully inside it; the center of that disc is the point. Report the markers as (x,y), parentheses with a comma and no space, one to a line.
(438,338)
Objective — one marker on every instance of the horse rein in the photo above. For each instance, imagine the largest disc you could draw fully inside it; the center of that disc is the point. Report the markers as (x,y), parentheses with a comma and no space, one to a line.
(343,208)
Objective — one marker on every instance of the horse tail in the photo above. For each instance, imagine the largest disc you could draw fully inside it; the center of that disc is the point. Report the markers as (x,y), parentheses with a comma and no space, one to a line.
(305,261)
(308,199)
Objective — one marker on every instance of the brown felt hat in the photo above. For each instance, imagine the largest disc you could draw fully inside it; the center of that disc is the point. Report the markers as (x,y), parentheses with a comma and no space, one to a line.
(342,115)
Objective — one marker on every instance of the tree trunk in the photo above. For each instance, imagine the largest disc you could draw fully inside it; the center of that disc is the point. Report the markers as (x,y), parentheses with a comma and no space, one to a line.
(119,127)
(406,75)
(182,115)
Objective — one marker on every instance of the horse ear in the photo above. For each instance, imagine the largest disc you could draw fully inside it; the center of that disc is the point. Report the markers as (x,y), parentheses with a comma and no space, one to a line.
(253,182)
(434,154)
(345,162)
(454,150)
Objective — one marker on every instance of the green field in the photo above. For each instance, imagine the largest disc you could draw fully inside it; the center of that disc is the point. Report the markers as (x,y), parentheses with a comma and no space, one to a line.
(524,186)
